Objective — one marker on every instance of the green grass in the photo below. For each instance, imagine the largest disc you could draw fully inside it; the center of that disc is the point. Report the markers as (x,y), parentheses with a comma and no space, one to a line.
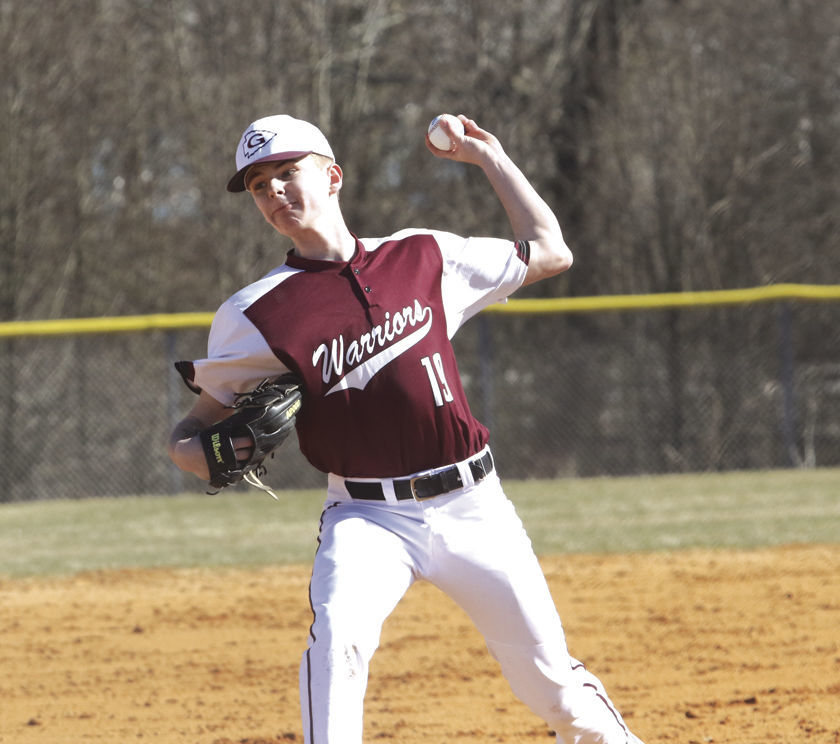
(737,510)
(237,528)
(741,510)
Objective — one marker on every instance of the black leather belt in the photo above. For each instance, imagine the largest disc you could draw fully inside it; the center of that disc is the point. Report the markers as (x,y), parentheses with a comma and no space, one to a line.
(424,486)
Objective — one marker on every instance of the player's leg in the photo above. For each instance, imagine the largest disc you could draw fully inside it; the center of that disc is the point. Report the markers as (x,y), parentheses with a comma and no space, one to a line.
(489,568)
(360,572)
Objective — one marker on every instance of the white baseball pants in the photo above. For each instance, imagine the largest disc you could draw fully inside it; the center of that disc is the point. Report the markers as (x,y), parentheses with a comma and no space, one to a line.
(471,544)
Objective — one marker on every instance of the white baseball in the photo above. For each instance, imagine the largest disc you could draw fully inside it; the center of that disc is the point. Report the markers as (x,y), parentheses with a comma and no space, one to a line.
(438,137)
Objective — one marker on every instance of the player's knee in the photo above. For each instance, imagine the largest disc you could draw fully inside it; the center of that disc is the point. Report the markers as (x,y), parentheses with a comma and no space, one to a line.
(345,646)
(344,662)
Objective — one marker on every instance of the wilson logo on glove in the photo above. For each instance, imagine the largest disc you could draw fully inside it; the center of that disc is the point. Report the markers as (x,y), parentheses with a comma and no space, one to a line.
(216,444)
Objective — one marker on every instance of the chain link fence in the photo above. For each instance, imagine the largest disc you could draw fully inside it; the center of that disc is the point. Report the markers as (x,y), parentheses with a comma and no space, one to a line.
(565,395)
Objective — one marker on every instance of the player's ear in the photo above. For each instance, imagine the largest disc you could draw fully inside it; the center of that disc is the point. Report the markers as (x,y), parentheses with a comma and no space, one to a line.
(336,176)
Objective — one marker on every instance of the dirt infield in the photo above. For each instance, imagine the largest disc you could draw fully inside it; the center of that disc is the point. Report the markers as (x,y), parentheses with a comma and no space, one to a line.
(694,647)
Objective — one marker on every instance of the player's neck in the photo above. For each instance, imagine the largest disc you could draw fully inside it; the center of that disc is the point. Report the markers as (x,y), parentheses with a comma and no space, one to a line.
(335,244)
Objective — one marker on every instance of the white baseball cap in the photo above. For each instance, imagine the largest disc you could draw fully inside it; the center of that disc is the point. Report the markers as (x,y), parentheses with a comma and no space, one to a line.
(278,137)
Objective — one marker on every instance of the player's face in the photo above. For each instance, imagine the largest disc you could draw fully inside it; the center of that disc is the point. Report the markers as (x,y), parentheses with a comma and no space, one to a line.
(293,195)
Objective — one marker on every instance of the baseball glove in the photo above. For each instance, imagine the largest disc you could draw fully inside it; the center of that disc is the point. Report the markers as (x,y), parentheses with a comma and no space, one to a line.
(267,415)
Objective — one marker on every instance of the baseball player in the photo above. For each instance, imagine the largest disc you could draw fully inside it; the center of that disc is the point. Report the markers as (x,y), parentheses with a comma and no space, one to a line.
(412,487)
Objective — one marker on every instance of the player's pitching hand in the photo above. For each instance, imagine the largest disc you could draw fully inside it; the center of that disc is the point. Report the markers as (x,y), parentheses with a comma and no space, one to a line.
(474,146)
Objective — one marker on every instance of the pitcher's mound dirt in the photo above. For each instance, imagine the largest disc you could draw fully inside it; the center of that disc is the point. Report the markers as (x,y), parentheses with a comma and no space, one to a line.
(694,647)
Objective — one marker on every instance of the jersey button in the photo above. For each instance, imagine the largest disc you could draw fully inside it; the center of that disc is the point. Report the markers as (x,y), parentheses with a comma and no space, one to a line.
(367,289)
(356,271)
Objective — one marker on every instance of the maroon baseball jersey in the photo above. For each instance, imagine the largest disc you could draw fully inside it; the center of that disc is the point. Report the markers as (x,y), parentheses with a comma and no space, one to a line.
(370,338)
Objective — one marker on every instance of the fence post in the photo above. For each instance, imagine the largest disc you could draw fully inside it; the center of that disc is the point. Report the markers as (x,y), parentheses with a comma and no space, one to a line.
(173,413)
(786,372)
(82,371)
(485,356)
(17,486)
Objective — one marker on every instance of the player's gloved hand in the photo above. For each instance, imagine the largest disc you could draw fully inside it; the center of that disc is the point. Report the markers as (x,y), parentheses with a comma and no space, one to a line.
(244,448)
(236,446)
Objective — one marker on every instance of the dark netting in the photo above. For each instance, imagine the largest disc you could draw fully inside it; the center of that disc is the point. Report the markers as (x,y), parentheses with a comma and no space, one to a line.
(610,393)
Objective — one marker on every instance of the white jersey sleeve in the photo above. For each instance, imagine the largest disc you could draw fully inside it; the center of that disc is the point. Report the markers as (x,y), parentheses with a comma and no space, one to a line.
(238,356)
(477,272)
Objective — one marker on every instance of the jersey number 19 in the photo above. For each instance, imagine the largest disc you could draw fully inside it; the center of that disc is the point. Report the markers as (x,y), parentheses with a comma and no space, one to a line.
(437,379)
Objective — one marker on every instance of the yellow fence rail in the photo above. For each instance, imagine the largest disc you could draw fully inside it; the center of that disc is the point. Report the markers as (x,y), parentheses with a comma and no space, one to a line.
(668,300)
(605,303)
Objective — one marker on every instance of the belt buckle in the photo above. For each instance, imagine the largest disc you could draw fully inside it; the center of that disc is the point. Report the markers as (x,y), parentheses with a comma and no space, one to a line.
(414,494)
